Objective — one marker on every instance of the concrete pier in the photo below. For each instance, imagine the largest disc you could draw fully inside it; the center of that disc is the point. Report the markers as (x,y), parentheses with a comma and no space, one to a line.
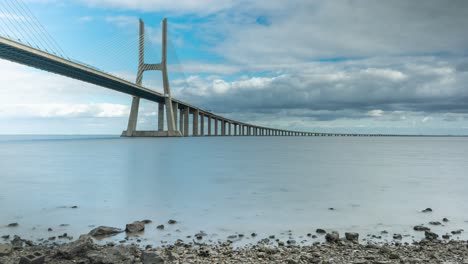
(195,117)
(209,125)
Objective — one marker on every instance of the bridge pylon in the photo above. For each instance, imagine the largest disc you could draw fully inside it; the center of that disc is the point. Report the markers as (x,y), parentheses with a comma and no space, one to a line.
(170,112)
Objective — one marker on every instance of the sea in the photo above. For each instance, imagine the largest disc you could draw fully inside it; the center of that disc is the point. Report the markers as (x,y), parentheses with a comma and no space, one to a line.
(231,186)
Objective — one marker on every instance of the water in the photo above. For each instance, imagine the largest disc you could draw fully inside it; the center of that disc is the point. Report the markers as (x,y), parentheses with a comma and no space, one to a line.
(229,185)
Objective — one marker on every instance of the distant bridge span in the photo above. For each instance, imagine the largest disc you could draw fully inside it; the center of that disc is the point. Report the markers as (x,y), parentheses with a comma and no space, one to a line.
(176,110)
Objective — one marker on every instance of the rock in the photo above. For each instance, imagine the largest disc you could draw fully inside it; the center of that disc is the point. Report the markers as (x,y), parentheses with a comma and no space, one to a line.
(445,220)
(5,249)
(421,228)
(291,242)
(331,208)
(457,232)
(427,210)
(430,235)
(320,231)
(350,236)
(253,234)
(5,237)
(435,223)
(49,229)
(149,257)
(160,227)
(146,221)
(172,222)
(76,248)
(74,207)
(446,236)
(332,237)
(397,236)
(102,231)
(17,242)
(119,254)
(13,225)
(135,227)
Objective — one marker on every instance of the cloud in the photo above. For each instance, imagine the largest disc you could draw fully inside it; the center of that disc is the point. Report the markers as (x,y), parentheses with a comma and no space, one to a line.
(409,84)
(63,110)
(180,7)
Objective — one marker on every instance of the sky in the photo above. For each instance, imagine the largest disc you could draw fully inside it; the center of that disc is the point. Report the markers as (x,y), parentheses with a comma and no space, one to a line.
(352,66)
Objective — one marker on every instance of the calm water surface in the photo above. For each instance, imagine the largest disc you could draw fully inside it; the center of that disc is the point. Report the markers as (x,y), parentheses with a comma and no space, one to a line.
(229,185)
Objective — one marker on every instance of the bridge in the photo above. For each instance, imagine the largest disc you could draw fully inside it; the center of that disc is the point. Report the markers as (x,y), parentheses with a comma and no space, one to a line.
(173,114)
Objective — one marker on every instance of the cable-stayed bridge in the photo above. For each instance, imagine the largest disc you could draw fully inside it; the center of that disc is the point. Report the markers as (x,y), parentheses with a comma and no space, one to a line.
(173,115)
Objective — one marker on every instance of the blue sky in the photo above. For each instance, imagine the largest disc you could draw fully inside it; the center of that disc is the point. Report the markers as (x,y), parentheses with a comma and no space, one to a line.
(328,66)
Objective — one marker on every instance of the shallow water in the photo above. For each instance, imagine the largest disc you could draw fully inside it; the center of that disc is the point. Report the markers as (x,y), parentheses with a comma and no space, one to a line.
(229,185)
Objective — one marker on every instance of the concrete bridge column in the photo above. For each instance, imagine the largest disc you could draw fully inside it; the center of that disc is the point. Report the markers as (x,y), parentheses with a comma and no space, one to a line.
(255,131)
(181,121)
(202,124)
(209,125)
(160,116)
(248,130)
(223,128)
(175,107)
(235,129)
(242,130)
(216,126)
(195,119)
(186,121)
(229,128)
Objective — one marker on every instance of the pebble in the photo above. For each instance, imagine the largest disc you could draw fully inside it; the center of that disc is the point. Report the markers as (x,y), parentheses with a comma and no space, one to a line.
(160,227)
(172,222)
(13,225)
(427,210)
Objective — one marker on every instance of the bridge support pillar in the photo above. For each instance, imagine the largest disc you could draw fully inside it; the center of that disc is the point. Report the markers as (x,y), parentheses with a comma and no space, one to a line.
(175,110)
(186,121)
(142,67)
(235,129)
(209,125)
(195,117)
(223,128)
(160,117)
(216,126)
(202,124)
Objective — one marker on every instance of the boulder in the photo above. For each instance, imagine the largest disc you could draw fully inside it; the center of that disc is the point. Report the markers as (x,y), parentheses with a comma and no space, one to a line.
(172,222)
(332,237)
(150,257)
(350,236)
(76,248)
(430,235)
(435,223)
(421,228)
(320,231)
(135,227)
(160,227)
(103,231)
(118,254)
(427,210)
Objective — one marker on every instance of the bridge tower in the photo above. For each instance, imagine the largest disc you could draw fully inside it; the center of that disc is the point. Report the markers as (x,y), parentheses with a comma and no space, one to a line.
(170,112)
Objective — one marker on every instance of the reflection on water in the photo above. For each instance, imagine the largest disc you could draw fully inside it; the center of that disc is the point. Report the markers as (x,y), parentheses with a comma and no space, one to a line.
(228,185)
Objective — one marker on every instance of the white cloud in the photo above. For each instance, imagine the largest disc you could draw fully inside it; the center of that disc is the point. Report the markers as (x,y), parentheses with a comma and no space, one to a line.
(375,113)
(181,6)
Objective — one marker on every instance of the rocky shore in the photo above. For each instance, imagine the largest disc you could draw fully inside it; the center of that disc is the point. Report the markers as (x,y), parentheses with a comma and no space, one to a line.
(335,250)
(320,246)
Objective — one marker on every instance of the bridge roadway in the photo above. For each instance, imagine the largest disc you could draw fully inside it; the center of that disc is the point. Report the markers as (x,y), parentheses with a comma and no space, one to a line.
(23,54)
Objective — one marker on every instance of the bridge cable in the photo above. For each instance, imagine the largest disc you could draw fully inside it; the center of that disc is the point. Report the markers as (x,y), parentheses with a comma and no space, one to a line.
(21,18)
(40,26)
(15,32)
(37,34)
